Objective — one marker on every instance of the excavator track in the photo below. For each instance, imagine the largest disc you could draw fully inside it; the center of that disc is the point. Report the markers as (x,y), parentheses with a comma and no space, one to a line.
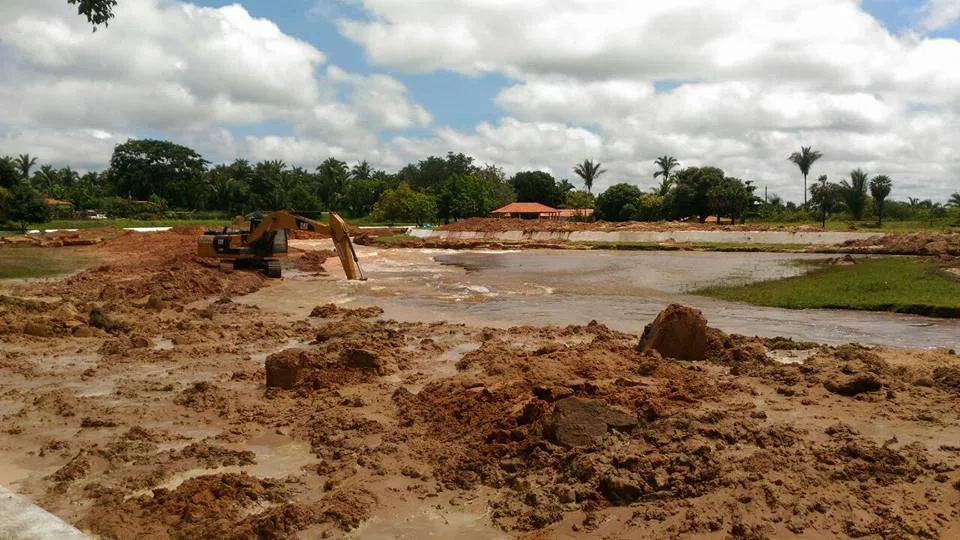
(273,269)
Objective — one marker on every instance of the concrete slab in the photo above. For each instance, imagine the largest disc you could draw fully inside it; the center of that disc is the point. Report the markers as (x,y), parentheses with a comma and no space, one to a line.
(20,519)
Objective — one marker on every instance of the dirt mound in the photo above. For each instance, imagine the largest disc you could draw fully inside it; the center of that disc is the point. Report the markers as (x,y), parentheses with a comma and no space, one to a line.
(201,507)
(339,360)
(526,225)
(312,261)
(917,243)
(677,332)
(332,311)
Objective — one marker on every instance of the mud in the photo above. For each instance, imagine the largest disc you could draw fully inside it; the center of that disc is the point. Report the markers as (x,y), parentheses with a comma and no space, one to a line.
(535,431)
(918,243)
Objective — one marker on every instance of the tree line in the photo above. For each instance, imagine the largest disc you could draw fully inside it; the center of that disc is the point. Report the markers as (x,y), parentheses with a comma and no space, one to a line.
(148,177)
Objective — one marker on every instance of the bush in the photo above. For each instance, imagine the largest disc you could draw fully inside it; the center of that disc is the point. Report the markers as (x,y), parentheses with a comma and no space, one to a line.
(26,206)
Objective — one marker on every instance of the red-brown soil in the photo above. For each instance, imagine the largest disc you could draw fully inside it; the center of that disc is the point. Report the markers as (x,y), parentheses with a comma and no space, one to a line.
(185,414)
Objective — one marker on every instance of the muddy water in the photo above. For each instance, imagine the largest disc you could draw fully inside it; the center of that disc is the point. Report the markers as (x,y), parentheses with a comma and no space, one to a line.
(624,290)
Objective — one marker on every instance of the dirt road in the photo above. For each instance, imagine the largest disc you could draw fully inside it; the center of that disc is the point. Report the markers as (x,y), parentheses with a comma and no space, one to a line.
(180,411)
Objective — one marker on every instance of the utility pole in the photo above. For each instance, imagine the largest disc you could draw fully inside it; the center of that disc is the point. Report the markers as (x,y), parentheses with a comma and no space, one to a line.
(764,195)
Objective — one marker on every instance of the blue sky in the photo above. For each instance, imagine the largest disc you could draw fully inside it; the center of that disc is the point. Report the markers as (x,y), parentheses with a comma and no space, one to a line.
(456,100)
(738,84)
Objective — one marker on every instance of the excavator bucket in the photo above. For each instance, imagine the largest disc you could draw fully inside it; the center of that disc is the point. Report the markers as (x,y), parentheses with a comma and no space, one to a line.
(341,240)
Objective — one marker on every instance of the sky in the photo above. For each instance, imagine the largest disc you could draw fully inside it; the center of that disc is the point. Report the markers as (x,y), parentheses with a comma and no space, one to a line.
(538,84)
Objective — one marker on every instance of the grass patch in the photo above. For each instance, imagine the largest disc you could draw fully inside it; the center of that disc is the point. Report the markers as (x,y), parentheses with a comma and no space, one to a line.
(946,224)
(124,223)
(698,246)
(31,262)
(394,239)
(898,284)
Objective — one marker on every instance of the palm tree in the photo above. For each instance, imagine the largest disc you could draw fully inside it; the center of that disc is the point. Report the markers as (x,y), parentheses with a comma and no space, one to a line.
(880,188)
(805,159)
(361,171)
(24,162)
(913,201)
(588,171)
(667,164)
(855,193)
(954,200)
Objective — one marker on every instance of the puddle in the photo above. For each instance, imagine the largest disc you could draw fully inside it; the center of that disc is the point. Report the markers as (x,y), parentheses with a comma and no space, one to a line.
(97,387)
(10,407)
(424,520)
(261,357)
(279,456)
(77,361)
(791,357)
(162,344)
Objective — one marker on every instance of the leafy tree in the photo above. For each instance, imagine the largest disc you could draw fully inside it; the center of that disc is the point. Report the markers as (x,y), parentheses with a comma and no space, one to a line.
(731,197)
(498,190)
(880,188)
(24,163)
(954,200)
(589,172)
(578,200)
(855,193)
(333,177)
(619,202)
(431,174)
(541,187)
(229,187)
(827,197)
(26,206)
(4,205)
(9,176)
(144,167)
(403,204)
(361,171)
(804,159)
(97,12)
(465,196)
(362,194)
(689,196)
(666,164)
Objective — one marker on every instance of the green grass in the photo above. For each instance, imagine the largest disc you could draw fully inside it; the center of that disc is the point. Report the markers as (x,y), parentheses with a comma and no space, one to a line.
(121,223)
(394,239)
(948,224)
(31,262)
(697,246)
(900,284)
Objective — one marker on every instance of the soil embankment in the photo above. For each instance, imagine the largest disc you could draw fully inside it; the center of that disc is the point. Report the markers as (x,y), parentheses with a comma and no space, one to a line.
(138,400)
(484,233)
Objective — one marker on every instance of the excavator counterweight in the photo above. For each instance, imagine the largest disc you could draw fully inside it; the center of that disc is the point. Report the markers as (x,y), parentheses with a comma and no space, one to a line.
(260,241)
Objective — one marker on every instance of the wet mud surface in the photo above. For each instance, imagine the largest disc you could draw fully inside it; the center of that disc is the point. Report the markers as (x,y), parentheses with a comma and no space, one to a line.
(183,411)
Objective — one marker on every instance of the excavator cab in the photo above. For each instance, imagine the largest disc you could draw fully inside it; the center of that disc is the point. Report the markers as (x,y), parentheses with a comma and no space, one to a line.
(265,241)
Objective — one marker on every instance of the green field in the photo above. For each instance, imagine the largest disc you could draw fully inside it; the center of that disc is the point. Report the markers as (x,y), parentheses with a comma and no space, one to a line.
(947,224)
(900,284)
(32,262)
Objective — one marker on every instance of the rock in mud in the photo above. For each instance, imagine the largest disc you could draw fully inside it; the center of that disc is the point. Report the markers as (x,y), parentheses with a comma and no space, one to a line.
(285,369)
(364,359)
(38,329)
(154,303)
(947,377)
(580,422)
(855,385)
(678,332)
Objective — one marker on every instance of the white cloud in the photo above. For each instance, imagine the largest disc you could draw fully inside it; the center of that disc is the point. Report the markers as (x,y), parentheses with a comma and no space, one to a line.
(182,70)
(940,13)
(751,82)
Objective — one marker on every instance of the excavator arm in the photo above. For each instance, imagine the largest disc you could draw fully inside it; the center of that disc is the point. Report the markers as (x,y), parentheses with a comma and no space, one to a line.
(337,230)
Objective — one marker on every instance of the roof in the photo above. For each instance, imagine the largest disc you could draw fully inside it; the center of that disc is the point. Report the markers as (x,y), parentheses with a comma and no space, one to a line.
(525,208)
(55,202)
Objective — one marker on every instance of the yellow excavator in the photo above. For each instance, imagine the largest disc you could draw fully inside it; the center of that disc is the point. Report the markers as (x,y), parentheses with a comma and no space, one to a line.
(259,241)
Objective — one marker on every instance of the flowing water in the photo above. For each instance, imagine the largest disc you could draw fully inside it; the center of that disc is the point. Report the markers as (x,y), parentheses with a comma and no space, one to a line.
(624,290)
